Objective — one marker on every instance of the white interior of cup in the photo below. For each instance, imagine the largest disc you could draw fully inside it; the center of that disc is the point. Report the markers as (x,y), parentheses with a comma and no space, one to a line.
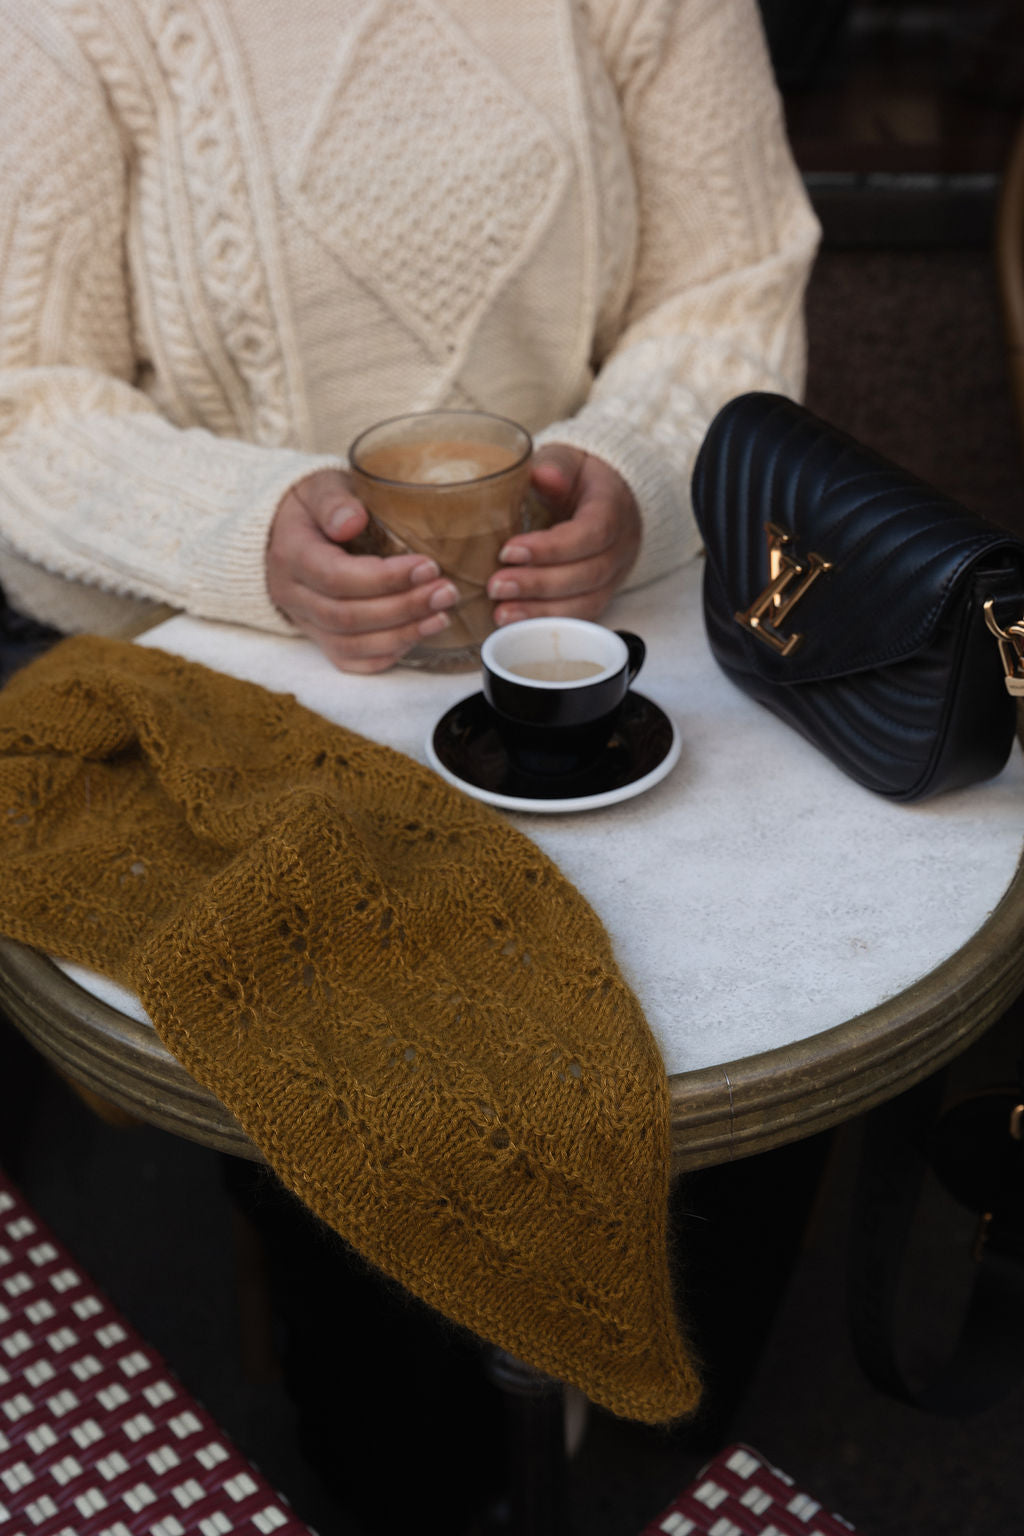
(554,639)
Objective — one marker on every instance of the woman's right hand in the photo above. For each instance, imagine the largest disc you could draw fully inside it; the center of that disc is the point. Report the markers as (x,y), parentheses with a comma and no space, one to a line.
(363,611)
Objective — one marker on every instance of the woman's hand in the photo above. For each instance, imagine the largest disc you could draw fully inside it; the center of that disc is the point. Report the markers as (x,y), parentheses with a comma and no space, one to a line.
(363,611)
(575,566)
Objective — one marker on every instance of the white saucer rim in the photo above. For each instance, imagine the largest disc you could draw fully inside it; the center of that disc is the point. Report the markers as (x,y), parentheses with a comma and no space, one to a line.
(573,804)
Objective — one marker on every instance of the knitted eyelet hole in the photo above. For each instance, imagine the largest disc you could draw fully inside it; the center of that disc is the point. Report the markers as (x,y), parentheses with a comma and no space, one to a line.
(293,931)
(569,1070)
(508,947)
(324,761)
(136,871)
(388,930)
(418,833)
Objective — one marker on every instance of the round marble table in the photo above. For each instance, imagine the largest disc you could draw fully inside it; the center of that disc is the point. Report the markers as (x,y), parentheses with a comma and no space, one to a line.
(802,948)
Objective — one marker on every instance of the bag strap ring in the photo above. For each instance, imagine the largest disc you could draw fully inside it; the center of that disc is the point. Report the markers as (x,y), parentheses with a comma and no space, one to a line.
(1011,649)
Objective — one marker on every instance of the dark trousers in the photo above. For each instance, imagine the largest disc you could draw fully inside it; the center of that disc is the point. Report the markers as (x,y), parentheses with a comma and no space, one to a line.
(394,1405)
(21,639)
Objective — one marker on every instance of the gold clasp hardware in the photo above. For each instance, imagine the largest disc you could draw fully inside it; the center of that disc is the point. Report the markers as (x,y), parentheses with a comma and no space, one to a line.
(777,601)
(1017,1122)
(1011,650)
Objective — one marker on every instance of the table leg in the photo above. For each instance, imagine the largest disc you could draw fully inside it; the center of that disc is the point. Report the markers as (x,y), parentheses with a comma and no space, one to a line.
(535,1441)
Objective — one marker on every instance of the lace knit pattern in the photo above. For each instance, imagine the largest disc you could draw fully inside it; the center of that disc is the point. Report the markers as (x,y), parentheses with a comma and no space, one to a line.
(414,1016)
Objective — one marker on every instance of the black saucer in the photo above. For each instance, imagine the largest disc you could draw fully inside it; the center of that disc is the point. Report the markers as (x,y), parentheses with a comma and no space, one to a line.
(465,748)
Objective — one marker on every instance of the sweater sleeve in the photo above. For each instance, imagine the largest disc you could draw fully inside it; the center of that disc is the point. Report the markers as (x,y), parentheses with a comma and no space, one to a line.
(96,485)
(726,242)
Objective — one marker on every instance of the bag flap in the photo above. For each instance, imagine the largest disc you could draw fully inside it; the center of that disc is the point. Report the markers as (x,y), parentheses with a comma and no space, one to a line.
(876,554)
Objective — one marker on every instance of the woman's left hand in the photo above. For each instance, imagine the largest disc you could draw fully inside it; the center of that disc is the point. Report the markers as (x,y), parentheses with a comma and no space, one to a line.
(575,566)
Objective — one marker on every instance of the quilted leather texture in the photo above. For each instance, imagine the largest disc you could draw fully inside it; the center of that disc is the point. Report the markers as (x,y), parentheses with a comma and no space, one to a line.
(894,675)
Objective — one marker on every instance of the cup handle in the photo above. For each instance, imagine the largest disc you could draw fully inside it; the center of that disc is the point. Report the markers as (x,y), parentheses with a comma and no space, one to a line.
(637,651)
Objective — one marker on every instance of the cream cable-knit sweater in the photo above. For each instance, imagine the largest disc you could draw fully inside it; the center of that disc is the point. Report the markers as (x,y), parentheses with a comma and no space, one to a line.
(233,233)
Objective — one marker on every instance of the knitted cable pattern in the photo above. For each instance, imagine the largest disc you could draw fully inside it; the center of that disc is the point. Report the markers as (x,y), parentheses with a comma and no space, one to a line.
(274,225)
(410,88)
(415,1017)
(213,296)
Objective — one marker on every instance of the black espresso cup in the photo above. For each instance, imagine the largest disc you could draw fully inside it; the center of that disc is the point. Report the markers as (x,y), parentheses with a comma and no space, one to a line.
(556,686)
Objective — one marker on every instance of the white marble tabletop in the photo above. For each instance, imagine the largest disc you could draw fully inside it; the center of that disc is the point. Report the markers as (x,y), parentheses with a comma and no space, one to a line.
(756,895)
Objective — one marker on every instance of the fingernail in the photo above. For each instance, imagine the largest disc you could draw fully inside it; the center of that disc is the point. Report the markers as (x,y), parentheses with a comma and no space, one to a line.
(515,554)
(503,616)
(445,597)
(434,625)
(500,586)
(429,570)
(338,521)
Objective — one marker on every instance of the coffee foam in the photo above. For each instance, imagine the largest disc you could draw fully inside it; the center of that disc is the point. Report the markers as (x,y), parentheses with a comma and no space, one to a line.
(445,462)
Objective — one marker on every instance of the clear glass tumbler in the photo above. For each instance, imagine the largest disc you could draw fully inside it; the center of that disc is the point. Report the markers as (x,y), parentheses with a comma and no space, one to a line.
(452,485)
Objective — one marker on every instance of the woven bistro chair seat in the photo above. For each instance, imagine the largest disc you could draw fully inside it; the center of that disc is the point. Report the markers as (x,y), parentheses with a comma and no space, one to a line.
(97,1436)
(740,1493)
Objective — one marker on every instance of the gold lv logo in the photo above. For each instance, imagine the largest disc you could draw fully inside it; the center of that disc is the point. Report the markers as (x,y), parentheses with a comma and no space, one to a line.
(788,582)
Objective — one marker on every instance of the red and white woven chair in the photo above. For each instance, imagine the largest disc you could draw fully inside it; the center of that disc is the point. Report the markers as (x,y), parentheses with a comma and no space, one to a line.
(97,1437)
(741,1494)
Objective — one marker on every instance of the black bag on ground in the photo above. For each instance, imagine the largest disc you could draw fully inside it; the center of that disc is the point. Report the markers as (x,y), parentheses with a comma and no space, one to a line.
(972,1145)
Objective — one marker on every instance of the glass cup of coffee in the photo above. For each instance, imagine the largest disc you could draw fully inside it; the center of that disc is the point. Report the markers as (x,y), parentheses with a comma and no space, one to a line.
(451,485)
(555,686)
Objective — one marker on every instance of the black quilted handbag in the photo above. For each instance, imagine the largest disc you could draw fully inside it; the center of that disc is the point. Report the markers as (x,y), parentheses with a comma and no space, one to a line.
(873,614)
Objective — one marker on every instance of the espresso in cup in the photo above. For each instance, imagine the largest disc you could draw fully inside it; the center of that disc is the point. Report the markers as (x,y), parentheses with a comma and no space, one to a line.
(451,485)
(557,670)
(555,686)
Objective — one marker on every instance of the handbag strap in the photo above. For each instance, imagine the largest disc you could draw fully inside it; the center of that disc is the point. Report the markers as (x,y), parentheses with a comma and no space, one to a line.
(1011,647)
(900,1142)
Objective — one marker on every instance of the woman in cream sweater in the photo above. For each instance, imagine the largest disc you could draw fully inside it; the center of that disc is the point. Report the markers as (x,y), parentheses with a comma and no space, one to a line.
(233,234)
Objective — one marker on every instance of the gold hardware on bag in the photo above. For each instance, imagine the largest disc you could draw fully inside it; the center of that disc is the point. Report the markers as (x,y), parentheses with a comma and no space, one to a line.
(1011,650)
(1017,1122)
(767,612)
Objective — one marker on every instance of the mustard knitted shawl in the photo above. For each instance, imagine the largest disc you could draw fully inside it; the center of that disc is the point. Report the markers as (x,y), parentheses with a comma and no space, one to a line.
(417,1020)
